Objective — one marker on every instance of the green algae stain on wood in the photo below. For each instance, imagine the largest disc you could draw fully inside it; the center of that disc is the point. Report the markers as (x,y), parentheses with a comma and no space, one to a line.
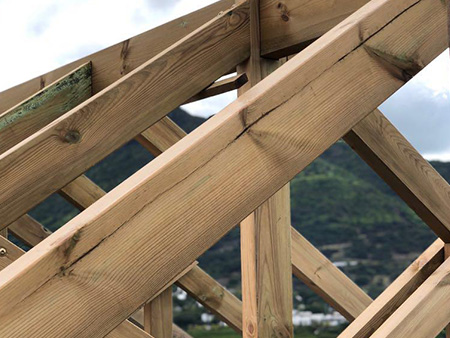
(48,104)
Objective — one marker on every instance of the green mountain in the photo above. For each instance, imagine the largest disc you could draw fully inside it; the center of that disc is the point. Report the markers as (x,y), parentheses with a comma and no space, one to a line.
(338,203)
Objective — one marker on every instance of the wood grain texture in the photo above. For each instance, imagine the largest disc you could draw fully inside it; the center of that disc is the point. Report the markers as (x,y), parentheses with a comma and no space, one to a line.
(396,294)
(213,296)
(29,231)
(325,279)
(8,252)
(101,261)
(289,25)
(112,63)
(158,315)
(82,192)
(265,234)
(400,165)
(27,117)
(220,87)
(38,166)
(128,330)
(425,313)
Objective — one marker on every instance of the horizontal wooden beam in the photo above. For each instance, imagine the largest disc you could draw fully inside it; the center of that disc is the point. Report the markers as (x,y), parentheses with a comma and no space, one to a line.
(326,280)
(105,122)
(24,119)
(398,163)
(259,142)
(112,63)
(220,87)
(425,313)
(396,294)
(290,25)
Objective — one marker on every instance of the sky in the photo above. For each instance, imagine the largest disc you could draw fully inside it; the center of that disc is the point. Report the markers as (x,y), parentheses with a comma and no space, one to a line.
(40,35)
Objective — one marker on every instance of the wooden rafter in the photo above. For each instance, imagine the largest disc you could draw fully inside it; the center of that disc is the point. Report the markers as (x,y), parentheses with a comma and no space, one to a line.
(196,164)
(109,116)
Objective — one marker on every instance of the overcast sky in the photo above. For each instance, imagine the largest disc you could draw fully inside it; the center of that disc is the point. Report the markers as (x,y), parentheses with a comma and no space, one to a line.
(40,35)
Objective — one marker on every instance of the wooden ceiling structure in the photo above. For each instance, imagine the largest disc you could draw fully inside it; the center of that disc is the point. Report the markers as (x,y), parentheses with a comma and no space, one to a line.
(127,248)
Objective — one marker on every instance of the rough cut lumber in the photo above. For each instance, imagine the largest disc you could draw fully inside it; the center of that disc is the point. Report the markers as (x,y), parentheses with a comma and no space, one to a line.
(215,177)
(396,294)
(220,87)
(213,296)
(8,252)
(325,279)
(122,111)
(29,231)
(266,269)
(158,315)
(112,63)
(24,119)
(396,161)
(128,330)
(425,313)
(289,25)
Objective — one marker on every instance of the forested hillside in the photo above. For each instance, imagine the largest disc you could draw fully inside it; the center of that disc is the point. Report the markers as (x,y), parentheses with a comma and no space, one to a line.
(338,203)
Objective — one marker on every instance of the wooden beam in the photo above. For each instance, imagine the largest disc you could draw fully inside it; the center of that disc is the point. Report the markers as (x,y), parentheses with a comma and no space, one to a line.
(112,63)
(398,163)
(213,296)
(82,192)
(128,330)
(158,315)
(425,313)
(325,279)
(396,294)
(29,231)
(110,116)
(27,117)
(220,87)
(290,25)
(215,177)
(267,299)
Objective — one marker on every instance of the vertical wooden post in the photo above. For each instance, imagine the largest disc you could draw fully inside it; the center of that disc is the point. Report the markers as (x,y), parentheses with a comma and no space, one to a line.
(158,315)
(447,255)
(265,235)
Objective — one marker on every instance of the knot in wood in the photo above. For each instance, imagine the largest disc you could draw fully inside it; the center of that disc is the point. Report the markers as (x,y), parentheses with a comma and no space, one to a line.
(72,137)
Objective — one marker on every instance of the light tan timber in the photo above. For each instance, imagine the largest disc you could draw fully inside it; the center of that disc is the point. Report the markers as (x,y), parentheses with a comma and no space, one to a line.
(289,25)
(8,252)
(446,245)
(213,296)
(396,294)
(158,315)
(179,333)
(395,160)
(153,90)
(425,313)
(112,63)
(161,136)
(27,117)
(82,192)
(321,276)
(266,268)
(220,87)
(190,196)
(29,231)
(128,330)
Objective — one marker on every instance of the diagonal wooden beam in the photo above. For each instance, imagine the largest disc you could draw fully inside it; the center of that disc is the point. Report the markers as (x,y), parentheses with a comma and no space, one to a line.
(398,163)
(425,313)
(325,279)
(396,294)
(259,142)
(112,63)
(220,87)
(24,119)
(153,90)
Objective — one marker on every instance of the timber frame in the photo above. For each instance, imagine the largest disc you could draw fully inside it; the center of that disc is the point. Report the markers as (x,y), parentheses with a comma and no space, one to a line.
(109,271)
